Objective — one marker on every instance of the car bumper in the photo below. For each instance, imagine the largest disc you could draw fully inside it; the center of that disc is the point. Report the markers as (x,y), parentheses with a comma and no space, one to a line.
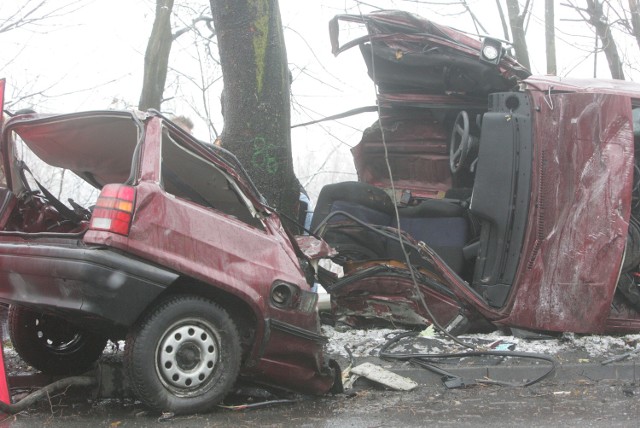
(79,282)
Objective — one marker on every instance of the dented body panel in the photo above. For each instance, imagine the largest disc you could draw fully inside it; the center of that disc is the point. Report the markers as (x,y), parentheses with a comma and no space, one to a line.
(545,234)
(198,226)
(578,224)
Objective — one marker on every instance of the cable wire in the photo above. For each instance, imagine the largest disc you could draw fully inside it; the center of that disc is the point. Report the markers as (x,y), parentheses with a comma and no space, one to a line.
(423,360)
(423,303)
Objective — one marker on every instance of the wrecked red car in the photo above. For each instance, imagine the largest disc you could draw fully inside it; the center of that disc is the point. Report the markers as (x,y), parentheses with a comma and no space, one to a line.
(164,242)
(516,198)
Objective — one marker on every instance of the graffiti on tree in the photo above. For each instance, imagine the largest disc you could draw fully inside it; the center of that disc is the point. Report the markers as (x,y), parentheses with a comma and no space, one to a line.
(264,156)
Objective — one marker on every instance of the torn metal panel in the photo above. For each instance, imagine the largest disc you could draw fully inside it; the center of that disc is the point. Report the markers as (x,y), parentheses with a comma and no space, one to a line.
(314,248)
(542,171)
(384,295)
(581,214)
(409,51)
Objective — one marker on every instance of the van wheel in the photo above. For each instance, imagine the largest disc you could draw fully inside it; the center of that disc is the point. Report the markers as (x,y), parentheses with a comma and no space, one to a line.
(51,344)
(183,356)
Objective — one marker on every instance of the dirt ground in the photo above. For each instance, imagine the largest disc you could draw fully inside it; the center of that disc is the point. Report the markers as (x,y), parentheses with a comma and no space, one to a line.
(604,403)
(578,402)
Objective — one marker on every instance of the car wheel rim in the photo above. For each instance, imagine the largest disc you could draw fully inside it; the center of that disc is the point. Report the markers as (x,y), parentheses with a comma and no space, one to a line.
(187,357)
(61,340)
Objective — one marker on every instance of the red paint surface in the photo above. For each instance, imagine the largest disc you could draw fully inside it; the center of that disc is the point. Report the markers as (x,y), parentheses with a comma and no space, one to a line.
(390,297)
(209,246)
(582,170)
(213,252)
(4,388)
(418,155)
(580,206)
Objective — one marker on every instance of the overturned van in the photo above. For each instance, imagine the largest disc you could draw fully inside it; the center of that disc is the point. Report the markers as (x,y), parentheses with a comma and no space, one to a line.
(486,196)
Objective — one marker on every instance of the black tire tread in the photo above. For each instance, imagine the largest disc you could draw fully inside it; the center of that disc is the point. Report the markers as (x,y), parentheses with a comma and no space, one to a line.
(46,361)
(140,332)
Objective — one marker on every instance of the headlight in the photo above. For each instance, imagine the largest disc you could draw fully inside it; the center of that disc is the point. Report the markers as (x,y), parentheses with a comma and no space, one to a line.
(491,50)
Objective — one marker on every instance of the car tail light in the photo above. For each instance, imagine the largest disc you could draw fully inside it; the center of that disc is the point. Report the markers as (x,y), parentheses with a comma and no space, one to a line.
(114,209)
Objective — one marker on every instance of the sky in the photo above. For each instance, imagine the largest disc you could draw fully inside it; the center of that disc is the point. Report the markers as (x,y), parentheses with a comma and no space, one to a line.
(91,57)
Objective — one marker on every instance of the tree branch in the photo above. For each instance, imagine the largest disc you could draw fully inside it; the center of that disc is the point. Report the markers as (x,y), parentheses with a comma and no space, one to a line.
(45,391)
(207,19)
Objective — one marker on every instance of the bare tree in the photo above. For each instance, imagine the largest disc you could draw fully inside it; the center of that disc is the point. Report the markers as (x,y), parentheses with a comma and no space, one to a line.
(256,95)
(627,21)
(156,57)
(516,20)
(603,29)
(594,15)
(32,13)
(503,21)
(29,17)
(550,36)
(634,11)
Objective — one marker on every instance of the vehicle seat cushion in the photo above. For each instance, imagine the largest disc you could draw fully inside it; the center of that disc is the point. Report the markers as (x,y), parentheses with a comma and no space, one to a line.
(353,192)
(439,223)
(436,231)
(445,235)
(361,212)
(432,208)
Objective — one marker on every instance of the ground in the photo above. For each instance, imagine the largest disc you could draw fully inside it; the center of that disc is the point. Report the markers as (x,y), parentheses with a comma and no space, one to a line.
(603,403)
(583,393)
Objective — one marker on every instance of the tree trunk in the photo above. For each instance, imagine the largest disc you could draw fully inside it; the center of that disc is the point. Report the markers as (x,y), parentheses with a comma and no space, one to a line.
(603,30)
(156,58)
(550,37)
(255,100)
(634,8)
(503,21)
(516,20)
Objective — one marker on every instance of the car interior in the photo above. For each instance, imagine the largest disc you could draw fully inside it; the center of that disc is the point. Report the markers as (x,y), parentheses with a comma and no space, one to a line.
(449,193)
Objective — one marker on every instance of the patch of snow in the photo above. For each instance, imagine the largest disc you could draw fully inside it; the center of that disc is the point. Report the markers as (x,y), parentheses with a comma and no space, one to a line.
(366,343)
(362,343)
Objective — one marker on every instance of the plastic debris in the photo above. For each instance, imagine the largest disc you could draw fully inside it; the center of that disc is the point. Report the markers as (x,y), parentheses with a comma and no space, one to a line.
(384,377)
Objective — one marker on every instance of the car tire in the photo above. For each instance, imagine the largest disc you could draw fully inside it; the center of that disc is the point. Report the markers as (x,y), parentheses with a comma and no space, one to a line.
(51,344)
(183,356)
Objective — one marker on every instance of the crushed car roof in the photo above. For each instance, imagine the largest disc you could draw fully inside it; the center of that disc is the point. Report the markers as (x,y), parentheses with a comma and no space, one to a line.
(102,142)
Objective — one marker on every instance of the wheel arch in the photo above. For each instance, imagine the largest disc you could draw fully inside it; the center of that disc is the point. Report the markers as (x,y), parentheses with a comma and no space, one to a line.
(245,316)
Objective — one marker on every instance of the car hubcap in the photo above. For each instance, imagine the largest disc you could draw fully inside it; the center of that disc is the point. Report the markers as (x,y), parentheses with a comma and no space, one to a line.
(187,356)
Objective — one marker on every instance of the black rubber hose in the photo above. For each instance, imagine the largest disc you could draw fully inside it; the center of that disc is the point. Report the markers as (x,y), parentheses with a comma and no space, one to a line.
(385,354)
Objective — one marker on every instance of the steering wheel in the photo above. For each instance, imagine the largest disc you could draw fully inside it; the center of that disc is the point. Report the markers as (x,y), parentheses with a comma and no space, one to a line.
(459,145)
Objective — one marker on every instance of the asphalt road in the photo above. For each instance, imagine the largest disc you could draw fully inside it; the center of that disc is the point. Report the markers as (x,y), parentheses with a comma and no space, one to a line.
(582,393)
(551,403)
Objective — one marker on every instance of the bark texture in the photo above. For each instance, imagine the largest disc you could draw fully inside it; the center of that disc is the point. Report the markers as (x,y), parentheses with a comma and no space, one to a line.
(503,21)
(603,30)
(156,57)
(634,9)
(516,21)
(255,101)
(550,36)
